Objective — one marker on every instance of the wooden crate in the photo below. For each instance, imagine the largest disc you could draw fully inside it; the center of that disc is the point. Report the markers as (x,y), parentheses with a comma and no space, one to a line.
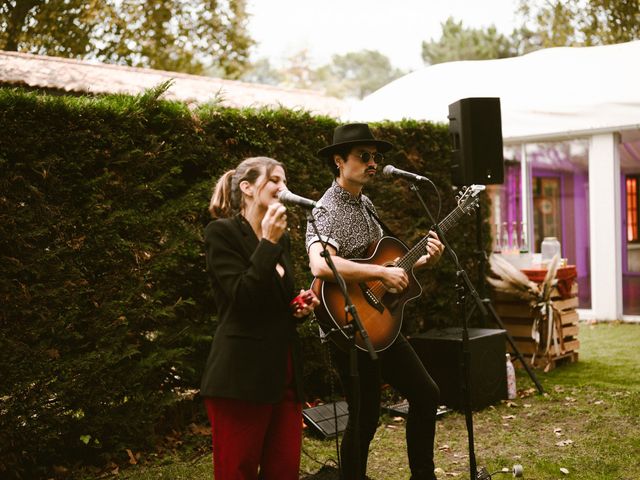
(518,318)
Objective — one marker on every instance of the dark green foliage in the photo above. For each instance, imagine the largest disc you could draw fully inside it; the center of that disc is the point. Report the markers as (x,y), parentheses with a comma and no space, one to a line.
(106,317)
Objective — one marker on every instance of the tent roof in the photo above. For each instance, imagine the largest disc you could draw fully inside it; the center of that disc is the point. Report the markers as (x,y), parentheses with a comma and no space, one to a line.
(547,93)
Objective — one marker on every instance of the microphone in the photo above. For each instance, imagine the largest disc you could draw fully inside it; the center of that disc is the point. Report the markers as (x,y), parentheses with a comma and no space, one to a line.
(390,170)
(288,198)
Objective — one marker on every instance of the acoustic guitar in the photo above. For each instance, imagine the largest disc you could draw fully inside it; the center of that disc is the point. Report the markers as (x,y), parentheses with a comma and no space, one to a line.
(379,309)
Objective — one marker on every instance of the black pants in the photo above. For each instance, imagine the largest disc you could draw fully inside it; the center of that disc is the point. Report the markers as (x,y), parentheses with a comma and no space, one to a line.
(400,367)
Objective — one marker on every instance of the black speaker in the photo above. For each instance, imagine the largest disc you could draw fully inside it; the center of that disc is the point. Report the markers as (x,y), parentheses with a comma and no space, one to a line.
(475,126)
(441,353)
(323,418)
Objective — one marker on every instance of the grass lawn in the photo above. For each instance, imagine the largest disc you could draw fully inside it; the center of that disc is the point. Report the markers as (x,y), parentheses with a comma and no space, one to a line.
(587,424)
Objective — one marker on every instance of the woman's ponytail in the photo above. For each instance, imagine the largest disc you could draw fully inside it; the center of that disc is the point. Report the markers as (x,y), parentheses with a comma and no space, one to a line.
(221,203)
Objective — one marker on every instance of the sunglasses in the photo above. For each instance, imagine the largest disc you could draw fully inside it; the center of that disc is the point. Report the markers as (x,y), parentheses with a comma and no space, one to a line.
(366,156)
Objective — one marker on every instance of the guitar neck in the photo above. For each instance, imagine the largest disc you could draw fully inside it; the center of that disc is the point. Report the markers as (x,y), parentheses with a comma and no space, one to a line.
(411,257)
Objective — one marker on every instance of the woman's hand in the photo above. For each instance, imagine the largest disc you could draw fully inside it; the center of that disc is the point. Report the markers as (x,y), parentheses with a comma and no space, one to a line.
(308,302)
(274,222)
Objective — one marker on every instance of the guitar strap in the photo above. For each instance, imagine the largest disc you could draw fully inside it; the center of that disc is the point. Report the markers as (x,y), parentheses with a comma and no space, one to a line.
(386,229)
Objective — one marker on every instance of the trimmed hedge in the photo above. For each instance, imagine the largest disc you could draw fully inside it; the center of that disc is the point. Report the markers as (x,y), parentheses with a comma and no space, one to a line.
(106,316)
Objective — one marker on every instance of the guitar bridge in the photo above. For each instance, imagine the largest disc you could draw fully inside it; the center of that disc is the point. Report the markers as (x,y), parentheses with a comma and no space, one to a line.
(371,298)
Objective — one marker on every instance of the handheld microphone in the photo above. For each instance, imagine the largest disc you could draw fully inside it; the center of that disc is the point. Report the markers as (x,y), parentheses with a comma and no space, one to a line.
(390,170)
(288,198)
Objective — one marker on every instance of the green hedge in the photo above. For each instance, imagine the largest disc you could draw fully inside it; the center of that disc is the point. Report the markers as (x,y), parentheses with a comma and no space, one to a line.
(106,316)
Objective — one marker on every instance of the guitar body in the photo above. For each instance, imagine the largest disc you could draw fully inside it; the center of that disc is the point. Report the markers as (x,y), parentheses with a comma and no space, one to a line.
(380,311)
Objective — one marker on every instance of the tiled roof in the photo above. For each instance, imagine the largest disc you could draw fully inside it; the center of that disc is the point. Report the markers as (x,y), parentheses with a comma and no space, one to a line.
(86,77)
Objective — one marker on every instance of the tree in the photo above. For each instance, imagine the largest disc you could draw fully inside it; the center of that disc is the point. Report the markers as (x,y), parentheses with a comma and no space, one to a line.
(352,75)
(297,71)
(579,22)
(179,35)
(460,43)
(261,71)
(356,74)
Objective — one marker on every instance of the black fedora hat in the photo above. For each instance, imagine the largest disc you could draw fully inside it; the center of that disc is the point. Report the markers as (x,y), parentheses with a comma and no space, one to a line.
(353,134)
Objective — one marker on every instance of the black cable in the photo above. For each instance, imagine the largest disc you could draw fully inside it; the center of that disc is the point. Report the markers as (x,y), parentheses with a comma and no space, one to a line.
(332,389)
(322,464)
(439,198)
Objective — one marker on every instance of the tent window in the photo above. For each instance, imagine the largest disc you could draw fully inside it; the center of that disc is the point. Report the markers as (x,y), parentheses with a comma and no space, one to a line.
(633,202)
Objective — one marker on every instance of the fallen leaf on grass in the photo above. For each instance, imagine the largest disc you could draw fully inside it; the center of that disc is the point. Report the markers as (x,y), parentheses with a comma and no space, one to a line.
(598,402)
(526,392)
(53,353)
(115,469)
(61,470)
(444,448)
(198,429)
(565,470)
(564,443)
(132,458)
(508,417)
(558,432)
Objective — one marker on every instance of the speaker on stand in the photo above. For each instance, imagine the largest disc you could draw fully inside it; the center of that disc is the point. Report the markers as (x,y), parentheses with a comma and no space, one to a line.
(475,126)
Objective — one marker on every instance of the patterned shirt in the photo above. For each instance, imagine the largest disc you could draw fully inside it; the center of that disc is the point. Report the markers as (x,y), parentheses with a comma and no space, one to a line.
(344,222)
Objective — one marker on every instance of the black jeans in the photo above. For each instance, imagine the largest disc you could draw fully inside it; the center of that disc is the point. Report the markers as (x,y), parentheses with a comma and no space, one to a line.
(400,367)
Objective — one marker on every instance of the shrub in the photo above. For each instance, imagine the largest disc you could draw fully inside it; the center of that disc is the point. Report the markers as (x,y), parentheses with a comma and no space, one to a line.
(106,315)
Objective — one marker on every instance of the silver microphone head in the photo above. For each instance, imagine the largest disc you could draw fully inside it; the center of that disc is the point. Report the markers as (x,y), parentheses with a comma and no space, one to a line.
(387,171)
(289,198)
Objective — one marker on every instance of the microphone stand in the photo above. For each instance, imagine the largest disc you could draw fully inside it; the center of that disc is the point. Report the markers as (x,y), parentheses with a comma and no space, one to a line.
(351,328)
(463,285)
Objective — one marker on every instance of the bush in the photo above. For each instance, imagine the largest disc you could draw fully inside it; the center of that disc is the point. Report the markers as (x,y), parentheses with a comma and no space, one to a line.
(106,315)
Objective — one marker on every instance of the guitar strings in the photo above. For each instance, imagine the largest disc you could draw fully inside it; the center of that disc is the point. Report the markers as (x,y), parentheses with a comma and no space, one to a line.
(378,289)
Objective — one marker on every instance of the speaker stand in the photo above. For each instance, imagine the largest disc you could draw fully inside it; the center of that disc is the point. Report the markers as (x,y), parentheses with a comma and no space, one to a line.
(482,262)
(463,285)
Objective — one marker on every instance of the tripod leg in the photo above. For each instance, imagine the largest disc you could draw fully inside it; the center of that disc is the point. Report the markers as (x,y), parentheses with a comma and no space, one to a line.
(498,320)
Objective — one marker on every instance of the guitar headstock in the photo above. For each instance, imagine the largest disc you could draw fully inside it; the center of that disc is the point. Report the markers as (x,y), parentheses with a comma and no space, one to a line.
(468,198)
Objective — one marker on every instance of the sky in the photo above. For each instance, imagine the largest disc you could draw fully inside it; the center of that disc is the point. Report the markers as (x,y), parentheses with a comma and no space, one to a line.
(395,28)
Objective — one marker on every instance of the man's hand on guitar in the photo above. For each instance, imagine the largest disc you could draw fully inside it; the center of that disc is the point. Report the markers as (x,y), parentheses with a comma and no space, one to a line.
(434,251)
(395,279)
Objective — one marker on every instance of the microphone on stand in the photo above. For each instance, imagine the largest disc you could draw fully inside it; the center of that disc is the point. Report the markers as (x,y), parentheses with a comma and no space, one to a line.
(391,171)
(288,198)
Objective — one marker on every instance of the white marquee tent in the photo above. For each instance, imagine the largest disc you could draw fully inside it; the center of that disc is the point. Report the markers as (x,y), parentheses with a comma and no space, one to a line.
(544,93)
(547,96)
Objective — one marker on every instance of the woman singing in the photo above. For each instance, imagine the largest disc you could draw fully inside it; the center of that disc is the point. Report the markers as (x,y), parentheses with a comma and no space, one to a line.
(252,382)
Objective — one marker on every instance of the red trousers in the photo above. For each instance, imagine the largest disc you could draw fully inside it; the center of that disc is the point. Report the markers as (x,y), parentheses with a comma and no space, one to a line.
(250,436)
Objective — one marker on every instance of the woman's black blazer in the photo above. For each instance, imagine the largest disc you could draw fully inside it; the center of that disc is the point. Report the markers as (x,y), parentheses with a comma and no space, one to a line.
(256,330)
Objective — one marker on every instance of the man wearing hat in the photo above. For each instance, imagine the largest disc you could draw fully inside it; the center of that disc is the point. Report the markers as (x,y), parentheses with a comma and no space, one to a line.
(347,222)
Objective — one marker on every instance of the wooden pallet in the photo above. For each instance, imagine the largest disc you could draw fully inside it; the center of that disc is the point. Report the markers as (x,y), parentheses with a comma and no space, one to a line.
(548,364)
(518,318)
